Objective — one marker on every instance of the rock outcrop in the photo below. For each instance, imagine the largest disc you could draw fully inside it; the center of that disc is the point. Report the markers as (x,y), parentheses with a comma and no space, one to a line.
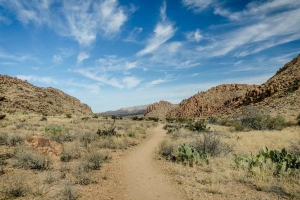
(20,96)
(159,109)
(208,103)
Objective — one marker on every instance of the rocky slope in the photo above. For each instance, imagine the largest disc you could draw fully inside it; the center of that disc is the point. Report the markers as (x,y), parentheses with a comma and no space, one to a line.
(20,96)
(280,95)
(207,103)
(159,109)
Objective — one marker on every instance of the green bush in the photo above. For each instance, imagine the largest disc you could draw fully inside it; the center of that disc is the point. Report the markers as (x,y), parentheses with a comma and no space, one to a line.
(187,154)
(197,126)
(57,134)
(212,120)
(253,119)
(282,161)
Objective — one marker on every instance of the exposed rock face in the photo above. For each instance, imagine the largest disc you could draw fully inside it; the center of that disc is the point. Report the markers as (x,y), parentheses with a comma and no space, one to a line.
(159,109)
(44,145)
(279,95)
(209,102)
(19,96)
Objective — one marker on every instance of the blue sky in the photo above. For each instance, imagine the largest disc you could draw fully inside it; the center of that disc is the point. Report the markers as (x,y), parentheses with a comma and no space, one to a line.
(119,53)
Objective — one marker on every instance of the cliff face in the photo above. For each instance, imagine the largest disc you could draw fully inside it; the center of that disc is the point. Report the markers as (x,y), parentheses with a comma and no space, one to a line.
(19,96)
(279,95)
(159,109)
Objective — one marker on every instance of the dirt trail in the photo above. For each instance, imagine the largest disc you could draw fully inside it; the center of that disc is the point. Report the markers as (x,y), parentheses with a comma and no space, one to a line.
(142,178)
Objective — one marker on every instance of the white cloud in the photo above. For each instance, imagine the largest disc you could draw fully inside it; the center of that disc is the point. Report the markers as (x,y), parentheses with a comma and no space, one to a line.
(163,31)
(130,65)
(131,82)
(173,47)
(82,56)
(260,26)
(126,82)
(81,20)
(194,36)
(16,57)
(197,5)
(158,81)
(57,59)
(47,80)
(133,34)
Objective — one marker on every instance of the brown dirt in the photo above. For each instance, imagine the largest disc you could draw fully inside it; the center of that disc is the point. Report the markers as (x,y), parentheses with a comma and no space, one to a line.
(142,177)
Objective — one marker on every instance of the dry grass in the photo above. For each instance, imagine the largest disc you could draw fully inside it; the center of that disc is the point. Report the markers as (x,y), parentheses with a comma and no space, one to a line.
(222,179)
(76,169)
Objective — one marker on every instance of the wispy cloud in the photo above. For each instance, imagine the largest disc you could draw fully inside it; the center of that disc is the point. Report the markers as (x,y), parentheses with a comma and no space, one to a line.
(93,88)
(133,35)
(164,30)
(194,36)
(57,58)
(265,25)
(4,20)
(15,57)
(122,82)
(47,80)
(81,20)
(197,5)
(82,56)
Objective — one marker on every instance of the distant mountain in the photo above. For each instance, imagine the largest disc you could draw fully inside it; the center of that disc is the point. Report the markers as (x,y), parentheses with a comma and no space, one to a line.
(130,111)
(18,96)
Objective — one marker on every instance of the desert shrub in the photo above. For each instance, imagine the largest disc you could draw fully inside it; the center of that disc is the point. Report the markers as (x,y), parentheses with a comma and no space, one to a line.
(197,126)
(298,120)
(110,131)
(3,138)
(87,138)
(131,134)
(15,186)
(96,158)
(210,143)
(280,162)
(14,139)
(166,149)
(57,134)
(155,119)
(253,119)
(187,154)
(114,117)
(29,159)
(212,120)
(68,192)
(85,118)
(43,118)
(4,157)
(82,175)
(70,152)
(170,120)
(95,116)
(184,120)
(68,115)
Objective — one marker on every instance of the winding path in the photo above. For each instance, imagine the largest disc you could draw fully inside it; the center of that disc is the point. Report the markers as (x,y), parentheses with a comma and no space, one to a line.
(142,178)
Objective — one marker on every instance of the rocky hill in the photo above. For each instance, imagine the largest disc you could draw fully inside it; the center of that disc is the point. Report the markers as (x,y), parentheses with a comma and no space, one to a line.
(207,103)
(159,109)
(20,96)
(280,95)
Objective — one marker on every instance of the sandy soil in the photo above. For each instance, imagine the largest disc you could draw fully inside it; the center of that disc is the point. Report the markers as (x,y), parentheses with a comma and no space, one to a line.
(141,176)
